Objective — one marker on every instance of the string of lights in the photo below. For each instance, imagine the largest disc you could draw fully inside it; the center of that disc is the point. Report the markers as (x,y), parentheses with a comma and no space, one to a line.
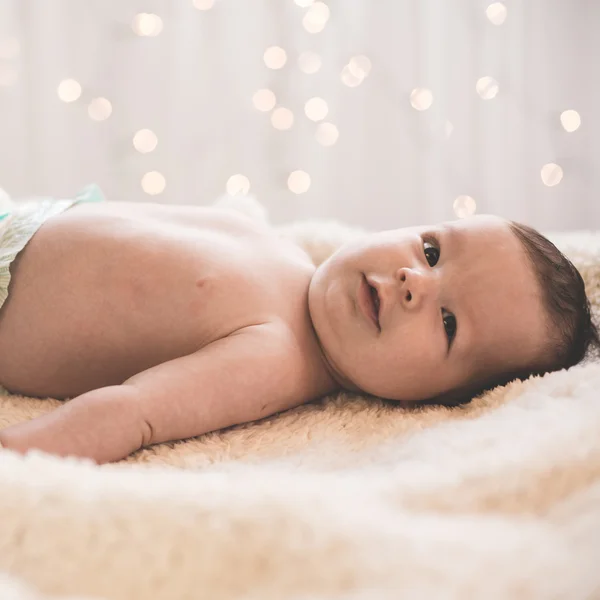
(315,15)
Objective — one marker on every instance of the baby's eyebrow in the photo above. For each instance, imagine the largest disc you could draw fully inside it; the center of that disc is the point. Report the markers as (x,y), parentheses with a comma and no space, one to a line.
(451,236)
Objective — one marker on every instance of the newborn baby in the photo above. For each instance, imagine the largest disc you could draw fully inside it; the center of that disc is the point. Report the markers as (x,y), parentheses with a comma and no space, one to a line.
(164,322)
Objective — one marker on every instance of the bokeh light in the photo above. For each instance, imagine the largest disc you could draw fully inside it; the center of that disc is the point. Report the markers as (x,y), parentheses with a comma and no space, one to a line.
(145,141)
(464,206)
(327,134)
(487,87)
(153,183)
(421,98)
(552,174)
(203,4)
(570,120)
(264,100)
(298,182)
(349,78)
(309,62)
(69,90)
(275,57)
(316,17)
(496,13)
(238,184)
(147,24)
(282,118)
(360,66)
(316,109)
(99,109)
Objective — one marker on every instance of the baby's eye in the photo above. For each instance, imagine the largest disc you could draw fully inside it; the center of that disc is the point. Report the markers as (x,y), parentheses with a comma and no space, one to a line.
(450,325)
(432,254)
(432,251)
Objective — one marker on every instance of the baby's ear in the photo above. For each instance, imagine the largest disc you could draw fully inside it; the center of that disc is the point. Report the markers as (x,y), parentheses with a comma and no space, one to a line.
(248,205)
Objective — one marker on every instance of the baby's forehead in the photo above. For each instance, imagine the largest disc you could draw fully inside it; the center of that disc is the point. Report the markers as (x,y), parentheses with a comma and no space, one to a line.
(475,222)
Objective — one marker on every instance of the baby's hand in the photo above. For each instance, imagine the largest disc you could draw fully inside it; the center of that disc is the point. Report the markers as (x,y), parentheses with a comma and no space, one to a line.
(102,425)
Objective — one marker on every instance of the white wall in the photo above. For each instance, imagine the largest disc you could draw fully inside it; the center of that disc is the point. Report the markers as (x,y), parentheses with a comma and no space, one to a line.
(392,165)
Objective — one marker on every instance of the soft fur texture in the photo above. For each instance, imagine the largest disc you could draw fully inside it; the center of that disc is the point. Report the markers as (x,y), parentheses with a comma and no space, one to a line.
(345,498)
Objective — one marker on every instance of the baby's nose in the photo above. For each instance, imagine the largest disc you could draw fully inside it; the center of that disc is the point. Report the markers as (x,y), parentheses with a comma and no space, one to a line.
(415,286)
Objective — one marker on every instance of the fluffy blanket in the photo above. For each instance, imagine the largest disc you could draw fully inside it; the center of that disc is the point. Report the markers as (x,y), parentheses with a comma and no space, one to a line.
(345,498)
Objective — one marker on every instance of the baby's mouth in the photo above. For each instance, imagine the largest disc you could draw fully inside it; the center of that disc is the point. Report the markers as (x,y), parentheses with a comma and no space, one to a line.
(375,298)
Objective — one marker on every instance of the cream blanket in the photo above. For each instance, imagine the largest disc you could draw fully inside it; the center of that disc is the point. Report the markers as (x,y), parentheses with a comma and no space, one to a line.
(346,498)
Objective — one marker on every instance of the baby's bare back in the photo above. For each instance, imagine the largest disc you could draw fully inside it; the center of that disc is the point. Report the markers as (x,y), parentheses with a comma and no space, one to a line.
(106,290)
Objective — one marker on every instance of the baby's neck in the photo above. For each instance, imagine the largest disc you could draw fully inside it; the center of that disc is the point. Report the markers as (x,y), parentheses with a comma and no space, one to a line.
(330,377)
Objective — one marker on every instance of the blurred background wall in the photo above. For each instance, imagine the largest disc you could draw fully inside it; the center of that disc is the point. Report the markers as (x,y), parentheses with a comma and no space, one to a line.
(380,113)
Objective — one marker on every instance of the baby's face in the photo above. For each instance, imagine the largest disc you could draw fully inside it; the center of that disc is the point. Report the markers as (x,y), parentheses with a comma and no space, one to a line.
(462,307)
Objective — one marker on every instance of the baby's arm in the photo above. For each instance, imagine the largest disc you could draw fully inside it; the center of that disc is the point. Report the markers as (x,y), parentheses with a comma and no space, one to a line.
(246,376)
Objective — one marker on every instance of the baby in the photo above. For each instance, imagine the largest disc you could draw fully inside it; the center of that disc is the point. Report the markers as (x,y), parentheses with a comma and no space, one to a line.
(164,322)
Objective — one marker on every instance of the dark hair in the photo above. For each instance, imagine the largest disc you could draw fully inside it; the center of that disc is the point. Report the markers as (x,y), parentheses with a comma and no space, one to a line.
(571,330)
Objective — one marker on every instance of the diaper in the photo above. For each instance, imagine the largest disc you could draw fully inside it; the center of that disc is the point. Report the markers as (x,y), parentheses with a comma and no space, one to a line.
(20,220)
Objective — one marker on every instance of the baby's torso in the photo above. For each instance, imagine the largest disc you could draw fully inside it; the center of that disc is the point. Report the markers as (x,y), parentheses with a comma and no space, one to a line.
(106,290)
